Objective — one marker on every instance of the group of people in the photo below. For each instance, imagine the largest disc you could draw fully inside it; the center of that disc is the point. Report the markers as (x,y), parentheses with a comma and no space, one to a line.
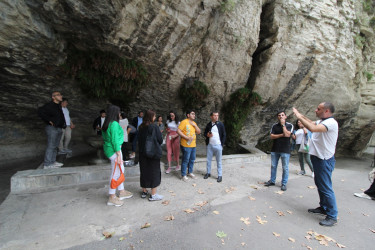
(114,127)
(180,136)
(321,148)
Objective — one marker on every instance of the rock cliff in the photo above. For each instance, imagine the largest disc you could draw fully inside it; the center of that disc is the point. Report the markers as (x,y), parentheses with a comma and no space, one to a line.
(292,53)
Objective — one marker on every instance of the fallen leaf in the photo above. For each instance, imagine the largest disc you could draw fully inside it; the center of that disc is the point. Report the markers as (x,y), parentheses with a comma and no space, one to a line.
(260,221)
(342,180)
(121,239)
(216,212)
(310,248)
(222,242)
(173,194)
(189,211)
(166,202)
(308,237)
(310,232)
(340,245)
(141,241)
(363,190)
(243,244)
(253,186)
(270,207)
(372,230)
(194,185)
(146,225)
(251,198)
(245,220)
(289,212)
(291,239)
(301,196)
(210,183)
(201,204)
(323,242)
(276,234)
(221,234)
(169,217)
(311,187)
(242,167)
(200,191)
(279,192)
(108,234)
(280,213)
(366,215)
(261,182)
(170,191)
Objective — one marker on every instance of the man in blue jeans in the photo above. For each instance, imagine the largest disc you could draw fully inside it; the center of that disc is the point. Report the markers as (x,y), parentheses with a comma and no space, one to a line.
(280,134)
(215,138)
(53,116)
(322,149)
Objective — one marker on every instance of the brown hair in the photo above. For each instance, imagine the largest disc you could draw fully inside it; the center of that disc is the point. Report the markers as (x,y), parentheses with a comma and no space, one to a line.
(148,118)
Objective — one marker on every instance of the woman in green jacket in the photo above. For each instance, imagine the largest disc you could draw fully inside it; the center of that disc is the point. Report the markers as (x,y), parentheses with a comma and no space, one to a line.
(113,137)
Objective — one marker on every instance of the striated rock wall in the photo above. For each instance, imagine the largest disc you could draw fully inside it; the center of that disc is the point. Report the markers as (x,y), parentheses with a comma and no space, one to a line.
(293,53)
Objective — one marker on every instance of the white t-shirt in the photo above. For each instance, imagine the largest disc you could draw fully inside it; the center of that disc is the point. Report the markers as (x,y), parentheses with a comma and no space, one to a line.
(124,125)
(323,144)
(172,125)
(215,139)
(299,135)
(66,115)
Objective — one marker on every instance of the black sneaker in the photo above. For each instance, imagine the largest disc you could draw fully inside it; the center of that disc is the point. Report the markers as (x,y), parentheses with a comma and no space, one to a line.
(144,194)
(269,183)
(328,222)
(283,187)
(318,210)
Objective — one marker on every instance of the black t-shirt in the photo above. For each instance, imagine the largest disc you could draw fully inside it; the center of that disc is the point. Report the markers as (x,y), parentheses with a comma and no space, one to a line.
(281,145)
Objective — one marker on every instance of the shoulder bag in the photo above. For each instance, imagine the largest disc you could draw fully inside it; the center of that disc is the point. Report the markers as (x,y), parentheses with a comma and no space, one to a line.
(152,147)
(304,148)
(121,179)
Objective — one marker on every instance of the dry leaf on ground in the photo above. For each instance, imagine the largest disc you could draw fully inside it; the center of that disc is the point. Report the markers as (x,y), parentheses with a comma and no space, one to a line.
(261,182)
(260,221)
(146,225)
(200,191)
(169,217)
(108,234)
(270,207)
(166,202)
(245,220)
(372,230)
(189,211)
(280,213)
(323,242)
(311,187)
(216,212)
(251,198)
(279,192)
(210,183)
(121,238)
(342,180)
(276,234)
(243,243)
(289,212)
(340,245)
(253,186)
(194,185)
(366,215)
(291,239)
(310,248)
(308,237)
(310,232)
(202,203)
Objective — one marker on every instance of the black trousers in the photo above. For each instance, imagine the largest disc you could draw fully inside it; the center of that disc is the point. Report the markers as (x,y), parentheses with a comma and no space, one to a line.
(124,150)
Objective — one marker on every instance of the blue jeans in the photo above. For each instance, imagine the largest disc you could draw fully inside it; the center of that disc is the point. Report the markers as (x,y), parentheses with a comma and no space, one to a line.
(188,158)
(285,163)
(216,150)
(53,140)
(323,173)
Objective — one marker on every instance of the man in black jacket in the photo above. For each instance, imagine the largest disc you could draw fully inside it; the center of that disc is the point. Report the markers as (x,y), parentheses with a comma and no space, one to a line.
(52,114)
(215,138)
(136,122)
(98,122)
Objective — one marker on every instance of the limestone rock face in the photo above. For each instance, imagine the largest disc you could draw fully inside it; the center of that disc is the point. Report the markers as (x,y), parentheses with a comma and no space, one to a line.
(293,53)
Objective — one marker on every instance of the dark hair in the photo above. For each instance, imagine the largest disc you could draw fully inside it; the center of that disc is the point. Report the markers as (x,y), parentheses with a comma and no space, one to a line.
(147,119)
(175,117)
(102,111)
(328,105)
(280,111)
(112,115)
(214,112)
(189,111)
(296,126)
(140,112)
(157,119)
(123,115)
(64,99)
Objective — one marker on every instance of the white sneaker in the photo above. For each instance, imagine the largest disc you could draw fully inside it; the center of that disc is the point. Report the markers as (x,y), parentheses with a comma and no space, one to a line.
(58,164)
(168,170)
(184,178)
(191,175)
(155,197)
(362,195)
(50,166)
(312,175)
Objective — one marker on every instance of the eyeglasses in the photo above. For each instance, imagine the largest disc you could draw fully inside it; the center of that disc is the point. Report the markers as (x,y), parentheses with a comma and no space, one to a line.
(57,95)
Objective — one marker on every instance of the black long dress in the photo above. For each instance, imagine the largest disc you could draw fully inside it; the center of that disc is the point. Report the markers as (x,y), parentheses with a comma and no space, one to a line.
(149,168)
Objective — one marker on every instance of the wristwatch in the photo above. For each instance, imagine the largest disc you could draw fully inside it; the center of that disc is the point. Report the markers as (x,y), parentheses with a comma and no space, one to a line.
(282,125)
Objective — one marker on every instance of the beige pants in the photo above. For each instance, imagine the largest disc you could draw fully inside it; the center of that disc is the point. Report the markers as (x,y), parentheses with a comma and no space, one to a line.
(65,138)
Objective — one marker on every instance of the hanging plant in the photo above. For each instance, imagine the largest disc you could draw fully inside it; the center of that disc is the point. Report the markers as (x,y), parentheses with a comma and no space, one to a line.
(193,93)
(105,75)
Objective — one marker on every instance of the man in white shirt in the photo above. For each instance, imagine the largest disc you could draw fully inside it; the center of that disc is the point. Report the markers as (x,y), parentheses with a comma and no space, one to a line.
(215,138)
(322,150)
(66,132)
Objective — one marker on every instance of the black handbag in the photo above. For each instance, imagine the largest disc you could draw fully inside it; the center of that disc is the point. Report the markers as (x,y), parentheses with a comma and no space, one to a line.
(152,146)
